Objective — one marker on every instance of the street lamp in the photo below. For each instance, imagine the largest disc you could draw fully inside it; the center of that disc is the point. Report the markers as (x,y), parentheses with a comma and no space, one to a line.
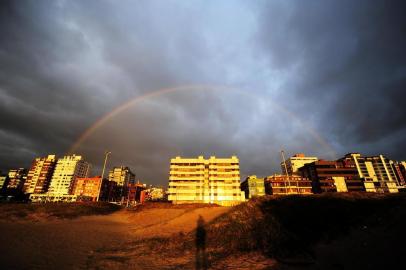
(107,153)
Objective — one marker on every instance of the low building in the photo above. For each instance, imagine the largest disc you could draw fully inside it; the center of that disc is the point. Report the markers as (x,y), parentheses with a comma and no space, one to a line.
(253,186)
(3,182)
(88,188)
(294,163)
(400,171)
(287,185)
(155,193)
(136,193)
(109,191)
(49,197)
(16,179)
(199,180)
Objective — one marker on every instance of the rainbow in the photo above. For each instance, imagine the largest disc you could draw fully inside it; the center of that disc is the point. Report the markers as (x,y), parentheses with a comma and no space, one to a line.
(152,94)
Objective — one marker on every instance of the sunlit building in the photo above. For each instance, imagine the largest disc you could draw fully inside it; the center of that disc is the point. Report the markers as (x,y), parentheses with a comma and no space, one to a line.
(136,193)
(287,185)
(199,180)
(67,170)
(122,176)
(295,162)
(253,186)
(87,188)
(3,182)
(40,174)
(16,179)
(376,171)
(155,193)
(400,171)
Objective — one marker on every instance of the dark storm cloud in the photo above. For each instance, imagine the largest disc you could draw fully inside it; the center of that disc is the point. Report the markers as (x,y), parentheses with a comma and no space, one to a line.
(348,65)
(338,66)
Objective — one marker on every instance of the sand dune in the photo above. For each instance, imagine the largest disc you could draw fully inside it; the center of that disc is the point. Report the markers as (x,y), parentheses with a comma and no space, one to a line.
(71,244)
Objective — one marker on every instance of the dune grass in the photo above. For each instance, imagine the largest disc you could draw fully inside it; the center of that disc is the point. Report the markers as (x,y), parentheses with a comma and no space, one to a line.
(24,211)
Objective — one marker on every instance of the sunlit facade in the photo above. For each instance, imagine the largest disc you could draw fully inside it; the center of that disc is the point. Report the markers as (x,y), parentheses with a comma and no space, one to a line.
(253,186)
(40,174)
(295,162)
(66,171)
(17,178)
(88,187)
(376,171)
(122,176)
(199,180)
(287,185)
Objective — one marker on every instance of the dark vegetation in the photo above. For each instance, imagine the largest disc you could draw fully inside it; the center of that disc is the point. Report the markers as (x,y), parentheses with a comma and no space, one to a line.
(288,229)
(16,211)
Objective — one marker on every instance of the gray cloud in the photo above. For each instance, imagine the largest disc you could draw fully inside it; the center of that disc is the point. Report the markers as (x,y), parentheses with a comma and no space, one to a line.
(338,66)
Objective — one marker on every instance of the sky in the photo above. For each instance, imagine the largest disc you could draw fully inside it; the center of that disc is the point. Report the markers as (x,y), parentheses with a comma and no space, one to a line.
(247,78)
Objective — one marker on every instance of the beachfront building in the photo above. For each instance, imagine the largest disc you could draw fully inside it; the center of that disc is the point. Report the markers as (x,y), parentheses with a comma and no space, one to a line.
(40,174)
(200,180)
(253,186)
(332,176)
(295,162)
(376,171)
(88,188)
(67,170)
(399,168)
(16,179)
(3,182)
(287,185)
(122,176)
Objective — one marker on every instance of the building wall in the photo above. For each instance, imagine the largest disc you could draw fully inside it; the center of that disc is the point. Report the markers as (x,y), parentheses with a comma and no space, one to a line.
(3,182)
(40,174)
(66,171)
(199,180)
(376,171)
(17,178)
(295,162)
(287,185)
(121,175)
(253,186)
(88,187)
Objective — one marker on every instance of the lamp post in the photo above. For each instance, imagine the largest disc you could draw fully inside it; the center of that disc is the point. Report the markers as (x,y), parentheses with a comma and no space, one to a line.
(102,176)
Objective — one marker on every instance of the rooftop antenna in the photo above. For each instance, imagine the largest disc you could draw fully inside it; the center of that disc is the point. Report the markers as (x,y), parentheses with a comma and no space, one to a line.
(286,170)
(284,162)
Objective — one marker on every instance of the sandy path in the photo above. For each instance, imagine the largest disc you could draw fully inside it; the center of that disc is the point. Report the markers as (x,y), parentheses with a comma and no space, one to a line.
(69,244)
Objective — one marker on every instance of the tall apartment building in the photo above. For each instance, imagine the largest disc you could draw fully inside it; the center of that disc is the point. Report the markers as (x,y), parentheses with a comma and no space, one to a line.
(122,176)
(17,178)
(199,180)
(66,171)
(40,174)
(376,171)
(295,162)
(253,186)
(287,185)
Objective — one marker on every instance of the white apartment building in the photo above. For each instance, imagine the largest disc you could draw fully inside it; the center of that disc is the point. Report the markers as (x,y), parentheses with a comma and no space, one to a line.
(66,171)
(295,162)
(199,180)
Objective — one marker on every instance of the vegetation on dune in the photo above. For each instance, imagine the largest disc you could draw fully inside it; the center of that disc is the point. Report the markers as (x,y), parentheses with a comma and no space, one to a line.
(286,227)
(15,211)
